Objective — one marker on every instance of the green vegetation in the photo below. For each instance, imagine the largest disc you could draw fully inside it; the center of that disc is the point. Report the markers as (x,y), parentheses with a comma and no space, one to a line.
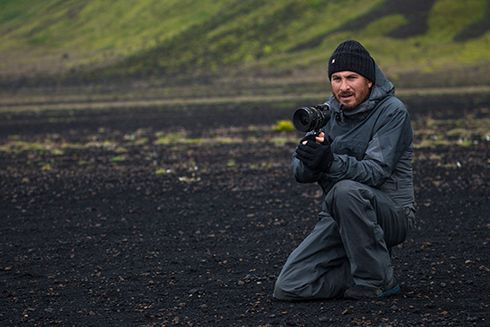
(283,126)
(429,132)
(51,153)
(116,159)
(454,132)
(176,38)
(162,171)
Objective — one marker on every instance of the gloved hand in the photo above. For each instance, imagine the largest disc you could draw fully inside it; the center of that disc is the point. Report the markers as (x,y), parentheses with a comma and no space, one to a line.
(316,156)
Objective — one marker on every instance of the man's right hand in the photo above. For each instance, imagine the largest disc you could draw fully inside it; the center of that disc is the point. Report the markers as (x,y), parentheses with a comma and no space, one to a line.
(315,152)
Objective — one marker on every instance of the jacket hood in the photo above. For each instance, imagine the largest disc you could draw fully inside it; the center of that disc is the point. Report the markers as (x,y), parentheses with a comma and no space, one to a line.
(380,90)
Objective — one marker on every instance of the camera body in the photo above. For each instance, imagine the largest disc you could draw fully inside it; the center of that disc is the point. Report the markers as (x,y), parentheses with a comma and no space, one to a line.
(306,119)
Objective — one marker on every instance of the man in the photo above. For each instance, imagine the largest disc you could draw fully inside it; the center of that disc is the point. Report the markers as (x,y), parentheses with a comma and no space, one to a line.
(362,160)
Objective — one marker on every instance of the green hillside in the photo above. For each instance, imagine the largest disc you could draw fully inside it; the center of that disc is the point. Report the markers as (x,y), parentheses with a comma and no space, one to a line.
(447,39)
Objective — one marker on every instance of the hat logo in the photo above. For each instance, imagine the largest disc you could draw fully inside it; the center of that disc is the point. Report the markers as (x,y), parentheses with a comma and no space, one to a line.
(333,60)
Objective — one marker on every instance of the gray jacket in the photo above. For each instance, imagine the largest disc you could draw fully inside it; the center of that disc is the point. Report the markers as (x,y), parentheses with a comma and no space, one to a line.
(372,144)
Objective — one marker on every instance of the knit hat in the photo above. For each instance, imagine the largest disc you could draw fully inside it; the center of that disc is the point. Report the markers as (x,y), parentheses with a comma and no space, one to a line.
(352,56)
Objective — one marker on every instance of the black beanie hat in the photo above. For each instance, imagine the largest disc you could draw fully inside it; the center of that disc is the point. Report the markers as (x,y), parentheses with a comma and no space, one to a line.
(352,56)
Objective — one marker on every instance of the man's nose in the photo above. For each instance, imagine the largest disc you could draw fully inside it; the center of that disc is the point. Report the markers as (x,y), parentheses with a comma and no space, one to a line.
(344,85)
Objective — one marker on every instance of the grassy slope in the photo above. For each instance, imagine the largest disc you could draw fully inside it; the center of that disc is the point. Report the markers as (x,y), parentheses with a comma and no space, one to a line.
(76,32)
(174,36)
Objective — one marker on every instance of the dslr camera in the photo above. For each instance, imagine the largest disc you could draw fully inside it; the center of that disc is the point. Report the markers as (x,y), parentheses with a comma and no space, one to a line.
(306,119)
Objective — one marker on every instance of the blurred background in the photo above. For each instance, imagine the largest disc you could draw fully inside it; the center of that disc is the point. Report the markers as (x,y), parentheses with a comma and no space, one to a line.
(237,47)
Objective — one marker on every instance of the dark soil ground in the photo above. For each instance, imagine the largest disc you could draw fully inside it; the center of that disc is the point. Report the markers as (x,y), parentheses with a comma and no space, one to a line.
(185,216)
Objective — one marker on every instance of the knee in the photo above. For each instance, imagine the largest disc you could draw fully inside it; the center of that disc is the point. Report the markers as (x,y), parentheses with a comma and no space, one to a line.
(347,197)
(280,290)
(345,189)
(286,288)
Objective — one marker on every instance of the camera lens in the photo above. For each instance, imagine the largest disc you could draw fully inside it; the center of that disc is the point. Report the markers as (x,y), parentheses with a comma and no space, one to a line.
(306,119)
(302,119)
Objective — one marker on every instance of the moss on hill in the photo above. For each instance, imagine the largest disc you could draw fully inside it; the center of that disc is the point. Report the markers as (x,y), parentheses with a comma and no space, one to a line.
(182,37)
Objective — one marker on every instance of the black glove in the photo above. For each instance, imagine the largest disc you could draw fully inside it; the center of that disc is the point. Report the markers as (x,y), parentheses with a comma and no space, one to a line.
(314,155)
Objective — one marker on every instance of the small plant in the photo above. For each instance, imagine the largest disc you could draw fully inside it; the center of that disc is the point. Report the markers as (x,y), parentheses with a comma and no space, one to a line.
(46,167)
(118,159)
(283,126)
(162,171)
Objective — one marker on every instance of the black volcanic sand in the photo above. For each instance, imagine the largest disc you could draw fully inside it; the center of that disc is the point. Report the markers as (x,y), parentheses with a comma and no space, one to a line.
(168,216)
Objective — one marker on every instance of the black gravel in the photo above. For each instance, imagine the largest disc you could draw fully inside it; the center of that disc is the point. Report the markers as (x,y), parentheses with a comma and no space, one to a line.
(103,225)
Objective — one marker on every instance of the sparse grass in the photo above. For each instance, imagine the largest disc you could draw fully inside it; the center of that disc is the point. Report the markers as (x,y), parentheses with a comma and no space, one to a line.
(182,138)
(281,141)
(52,152)
(429,132)
(432,132)
(47,167)
(162,171)
(57,149)
(117,159)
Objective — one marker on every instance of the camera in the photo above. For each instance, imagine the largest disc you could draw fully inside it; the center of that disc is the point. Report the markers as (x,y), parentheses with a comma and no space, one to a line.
(312,118)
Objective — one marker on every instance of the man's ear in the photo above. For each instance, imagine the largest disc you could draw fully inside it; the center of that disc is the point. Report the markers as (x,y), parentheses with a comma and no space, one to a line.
(370,84)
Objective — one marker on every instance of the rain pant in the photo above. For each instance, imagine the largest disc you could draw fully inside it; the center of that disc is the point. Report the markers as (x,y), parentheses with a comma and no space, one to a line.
(368,200)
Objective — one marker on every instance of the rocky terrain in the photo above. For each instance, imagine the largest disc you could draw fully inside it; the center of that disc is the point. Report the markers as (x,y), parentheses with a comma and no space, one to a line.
(185,216)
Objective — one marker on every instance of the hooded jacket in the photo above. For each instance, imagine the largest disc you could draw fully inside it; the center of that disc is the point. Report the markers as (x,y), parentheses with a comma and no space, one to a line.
(371,144)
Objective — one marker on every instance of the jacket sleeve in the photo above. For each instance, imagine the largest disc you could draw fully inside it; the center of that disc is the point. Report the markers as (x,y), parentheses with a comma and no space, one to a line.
(391,138)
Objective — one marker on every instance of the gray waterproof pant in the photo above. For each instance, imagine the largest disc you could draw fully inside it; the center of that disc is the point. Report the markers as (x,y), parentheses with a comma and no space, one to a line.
(349,245)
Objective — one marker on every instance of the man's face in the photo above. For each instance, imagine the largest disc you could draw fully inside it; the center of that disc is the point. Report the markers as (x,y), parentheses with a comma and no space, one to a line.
(350,88)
